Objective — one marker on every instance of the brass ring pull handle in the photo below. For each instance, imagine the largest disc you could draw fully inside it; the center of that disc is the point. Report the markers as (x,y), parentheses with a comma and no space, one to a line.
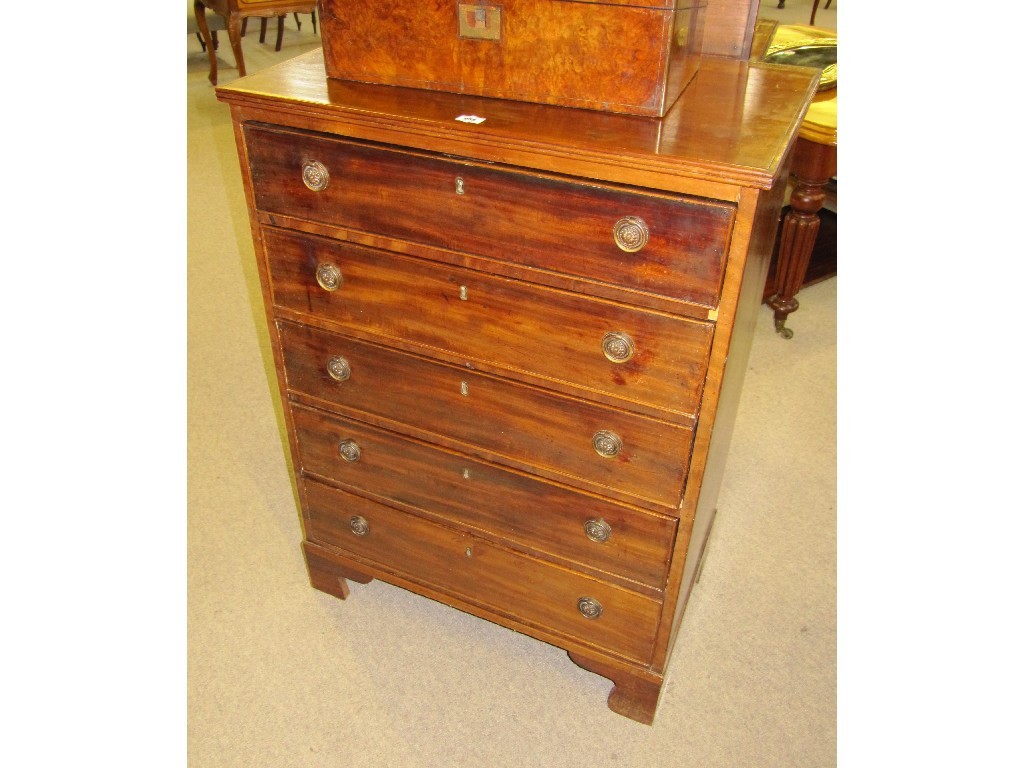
(618,347)
(338,368)
(315,175)
(349,450)
(631,233)
(328,277)
(597,530)
(607,443)
(589,607)
(358,525)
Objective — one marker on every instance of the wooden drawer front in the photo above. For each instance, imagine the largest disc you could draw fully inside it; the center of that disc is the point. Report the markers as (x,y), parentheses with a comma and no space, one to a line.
(506,582)
(526,425)
(533,220)
(516,326)
(530,513)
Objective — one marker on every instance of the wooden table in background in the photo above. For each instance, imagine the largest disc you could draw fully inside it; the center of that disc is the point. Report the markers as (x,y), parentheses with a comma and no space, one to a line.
(814,165)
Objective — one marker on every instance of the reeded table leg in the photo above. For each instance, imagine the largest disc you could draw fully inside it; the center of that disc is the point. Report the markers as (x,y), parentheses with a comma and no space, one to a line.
(813,166)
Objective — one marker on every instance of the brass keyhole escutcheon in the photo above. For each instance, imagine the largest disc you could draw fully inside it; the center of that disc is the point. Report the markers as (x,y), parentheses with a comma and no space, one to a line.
(631,233)
(460,186)
(315,175)
(328,276)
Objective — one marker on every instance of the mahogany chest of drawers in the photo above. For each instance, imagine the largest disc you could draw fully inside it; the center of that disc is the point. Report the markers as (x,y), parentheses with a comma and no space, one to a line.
(510,339)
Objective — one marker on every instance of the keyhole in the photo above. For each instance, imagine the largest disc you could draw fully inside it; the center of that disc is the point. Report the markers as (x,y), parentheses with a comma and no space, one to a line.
(460,186)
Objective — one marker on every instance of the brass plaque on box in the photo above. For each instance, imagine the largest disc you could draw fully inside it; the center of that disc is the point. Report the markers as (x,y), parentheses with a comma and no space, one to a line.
(479,22)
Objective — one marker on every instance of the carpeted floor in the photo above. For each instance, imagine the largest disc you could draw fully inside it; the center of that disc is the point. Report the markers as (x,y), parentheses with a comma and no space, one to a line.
(282,675)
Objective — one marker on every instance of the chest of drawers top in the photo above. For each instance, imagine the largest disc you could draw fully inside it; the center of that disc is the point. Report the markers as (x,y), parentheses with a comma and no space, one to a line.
(730,129)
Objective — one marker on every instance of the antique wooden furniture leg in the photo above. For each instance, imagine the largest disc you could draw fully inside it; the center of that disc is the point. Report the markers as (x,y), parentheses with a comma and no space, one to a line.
(813,166)
(202,43)
(634,696)
(280,32)
(326,575)
(235,36)
(204,32)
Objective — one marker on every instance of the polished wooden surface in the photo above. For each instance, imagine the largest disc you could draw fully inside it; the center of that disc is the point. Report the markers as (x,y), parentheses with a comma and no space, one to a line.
(487,498)
(411,196)
(549,338)
(729,27)
(523,427)
(626,56)
(522,588)
(815,163)
(477,380)
(729,130)
(235,12)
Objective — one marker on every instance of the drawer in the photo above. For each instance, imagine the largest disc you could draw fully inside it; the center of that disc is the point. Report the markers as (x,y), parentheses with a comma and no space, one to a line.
(525,426)
(671,245)
(659,360)
(520,509)
(505,582)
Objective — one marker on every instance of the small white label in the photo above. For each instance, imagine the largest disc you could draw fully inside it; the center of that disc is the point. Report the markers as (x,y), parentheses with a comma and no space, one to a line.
(472,119)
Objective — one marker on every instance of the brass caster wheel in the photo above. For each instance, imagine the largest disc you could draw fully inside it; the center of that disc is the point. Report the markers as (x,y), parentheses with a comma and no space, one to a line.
(786,333)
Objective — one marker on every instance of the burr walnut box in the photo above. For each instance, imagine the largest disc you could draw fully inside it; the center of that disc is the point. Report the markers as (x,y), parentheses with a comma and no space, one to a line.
(629,56)
(510,352)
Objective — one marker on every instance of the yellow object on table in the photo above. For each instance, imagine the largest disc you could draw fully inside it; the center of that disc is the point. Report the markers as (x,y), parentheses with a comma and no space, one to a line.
(820,124)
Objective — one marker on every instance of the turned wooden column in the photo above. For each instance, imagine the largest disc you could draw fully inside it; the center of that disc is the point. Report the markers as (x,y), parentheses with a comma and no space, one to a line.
(813,166)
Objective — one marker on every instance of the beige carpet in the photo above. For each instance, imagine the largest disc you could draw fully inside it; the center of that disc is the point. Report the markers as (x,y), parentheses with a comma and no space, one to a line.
(282,675)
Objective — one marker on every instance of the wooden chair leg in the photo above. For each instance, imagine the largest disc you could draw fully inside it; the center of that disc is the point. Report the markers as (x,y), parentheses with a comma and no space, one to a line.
(263,30)
(204,31)
(298,24)
(234,34)
(245,23)
(314,18)
(782,4)
(814,11)
(280,32)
